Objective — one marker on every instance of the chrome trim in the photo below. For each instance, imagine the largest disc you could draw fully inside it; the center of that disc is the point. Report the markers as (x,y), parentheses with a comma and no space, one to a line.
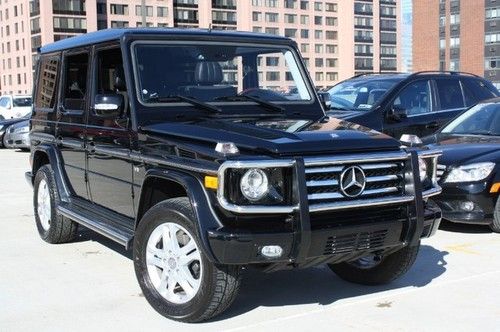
(381,178)
(324,170)
(432,192)
(378,166)
(225,204)
(336,195)
(322,183)
(360,203)
(356,158)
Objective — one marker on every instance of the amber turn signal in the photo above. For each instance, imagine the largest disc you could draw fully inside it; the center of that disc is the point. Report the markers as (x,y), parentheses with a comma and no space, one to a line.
(211,182)
(495,187)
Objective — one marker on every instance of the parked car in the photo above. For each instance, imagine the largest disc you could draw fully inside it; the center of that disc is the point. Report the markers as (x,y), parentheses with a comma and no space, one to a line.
(14,106)
(4,124)
(17,136)
(469,169)
(418,103)
(202,175)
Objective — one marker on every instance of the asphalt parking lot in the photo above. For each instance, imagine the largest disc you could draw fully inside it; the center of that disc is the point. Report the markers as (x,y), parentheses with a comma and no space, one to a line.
(90,284)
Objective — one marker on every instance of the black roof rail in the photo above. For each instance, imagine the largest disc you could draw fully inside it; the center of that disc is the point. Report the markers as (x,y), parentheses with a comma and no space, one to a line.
(449,72)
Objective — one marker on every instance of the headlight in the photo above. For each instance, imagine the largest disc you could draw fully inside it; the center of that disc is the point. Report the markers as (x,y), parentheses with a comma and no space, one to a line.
(254,184)
(422,167)
(470,173)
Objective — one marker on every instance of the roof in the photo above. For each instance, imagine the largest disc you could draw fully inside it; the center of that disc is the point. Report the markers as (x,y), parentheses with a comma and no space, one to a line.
(114,34)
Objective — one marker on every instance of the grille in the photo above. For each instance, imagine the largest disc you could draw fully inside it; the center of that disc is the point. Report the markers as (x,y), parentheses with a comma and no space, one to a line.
(383,180)
(441,169)
(354,242)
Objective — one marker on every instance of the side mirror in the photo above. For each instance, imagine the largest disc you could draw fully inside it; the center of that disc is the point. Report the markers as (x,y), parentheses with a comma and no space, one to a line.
(397,113)
(109,105)
(324,98)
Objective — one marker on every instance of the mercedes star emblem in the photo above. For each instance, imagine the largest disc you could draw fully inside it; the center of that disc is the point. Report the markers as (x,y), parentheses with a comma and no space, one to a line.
(352,181)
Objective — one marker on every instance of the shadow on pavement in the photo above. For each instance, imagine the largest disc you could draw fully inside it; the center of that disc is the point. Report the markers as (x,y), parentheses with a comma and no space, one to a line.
(320,285)
(448,226)
(312,285)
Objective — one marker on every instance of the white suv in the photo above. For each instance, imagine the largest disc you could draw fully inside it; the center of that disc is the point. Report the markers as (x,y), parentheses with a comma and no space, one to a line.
(14,106)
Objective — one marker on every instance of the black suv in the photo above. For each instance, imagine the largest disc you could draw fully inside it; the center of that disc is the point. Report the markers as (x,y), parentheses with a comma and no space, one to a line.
(208,151)
(417,104)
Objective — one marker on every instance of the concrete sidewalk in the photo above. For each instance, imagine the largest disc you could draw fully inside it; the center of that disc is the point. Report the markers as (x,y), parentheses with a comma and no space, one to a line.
(90,284)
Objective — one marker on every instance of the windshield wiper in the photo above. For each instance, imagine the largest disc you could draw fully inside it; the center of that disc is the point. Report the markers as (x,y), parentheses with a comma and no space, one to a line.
(266,104)
(201,105)
(336,108)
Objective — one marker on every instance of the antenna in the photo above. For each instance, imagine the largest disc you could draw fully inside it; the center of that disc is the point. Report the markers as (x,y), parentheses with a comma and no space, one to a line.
(209,27)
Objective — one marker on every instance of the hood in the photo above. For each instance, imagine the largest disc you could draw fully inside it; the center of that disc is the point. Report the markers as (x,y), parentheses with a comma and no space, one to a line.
(465,149)
(284,137)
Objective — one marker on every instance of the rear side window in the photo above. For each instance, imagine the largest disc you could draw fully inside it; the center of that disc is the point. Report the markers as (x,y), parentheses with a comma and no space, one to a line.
(450,94)
(75,85)
(479,89)
(47,83)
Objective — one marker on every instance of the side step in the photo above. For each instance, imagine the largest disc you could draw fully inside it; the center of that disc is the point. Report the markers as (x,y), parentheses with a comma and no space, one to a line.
(98,223)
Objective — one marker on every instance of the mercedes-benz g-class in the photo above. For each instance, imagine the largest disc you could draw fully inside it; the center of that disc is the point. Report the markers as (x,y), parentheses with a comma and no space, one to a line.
(208,151)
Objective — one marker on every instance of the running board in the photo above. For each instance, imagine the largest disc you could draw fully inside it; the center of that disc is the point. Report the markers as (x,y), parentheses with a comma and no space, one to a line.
(97,223)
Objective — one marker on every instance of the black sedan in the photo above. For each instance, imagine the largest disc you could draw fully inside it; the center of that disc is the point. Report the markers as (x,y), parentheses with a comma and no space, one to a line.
(4,124)
(469,169)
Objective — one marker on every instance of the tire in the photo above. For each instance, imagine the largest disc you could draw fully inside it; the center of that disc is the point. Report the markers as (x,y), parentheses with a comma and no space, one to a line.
(52,227)
(215,286)
(382,272)
(495,225)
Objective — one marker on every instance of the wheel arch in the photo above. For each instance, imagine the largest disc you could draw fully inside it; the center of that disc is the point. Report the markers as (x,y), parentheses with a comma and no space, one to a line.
(159,185)
(47,154)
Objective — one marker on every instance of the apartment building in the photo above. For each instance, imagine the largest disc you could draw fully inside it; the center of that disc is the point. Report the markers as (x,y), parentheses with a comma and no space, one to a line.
(457,35)
(338,38)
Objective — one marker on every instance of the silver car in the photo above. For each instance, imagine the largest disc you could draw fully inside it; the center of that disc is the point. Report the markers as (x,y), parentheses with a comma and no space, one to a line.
(17,136)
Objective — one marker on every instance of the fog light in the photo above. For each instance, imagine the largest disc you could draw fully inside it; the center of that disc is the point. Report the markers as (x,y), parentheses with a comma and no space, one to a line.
(271,251)
(467,206)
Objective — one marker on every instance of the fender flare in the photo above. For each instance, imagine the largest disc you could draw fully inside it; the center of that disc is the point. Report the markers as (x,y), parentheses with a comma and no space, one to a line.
(54,160)
(206,218)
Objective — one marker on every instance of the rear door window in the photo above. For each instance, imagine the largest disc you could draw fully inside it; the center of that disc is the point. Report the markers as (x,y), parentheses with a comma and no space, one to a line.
(450,94)
(4,102)
(75,85)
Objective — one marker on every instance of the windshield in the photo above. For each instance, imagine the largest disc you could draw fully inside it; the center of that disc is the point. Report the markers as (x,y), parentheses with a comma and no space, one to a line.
(360,95)
(219,72)
(22,101)
(482,119)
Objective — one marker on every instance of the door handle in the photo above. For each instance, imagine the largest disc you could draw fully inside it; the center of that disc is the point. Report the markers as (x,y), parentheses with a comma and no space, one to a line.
(432,125)
(91,147)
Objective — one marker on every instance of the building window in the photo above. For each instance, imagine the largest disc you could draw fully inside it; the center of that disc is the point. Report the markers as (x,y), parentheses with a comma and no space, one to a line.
(304,5)
(318,77)
(318,62)
(387,11)
(71,7)
(318,6)
(454,65)
(363,22)
(304,19)
(331,21)
(491,38)
(363,8)
(388,38)
(35,25)
(304,33)
(273,76)
(273,31)
(304,48)
(318,20)
(272,61)
(272,17)
(455,42)
(119,9)
(224,17)
(70,24)
(290,18)
(161,11)
(332,76)
(149,10)
(492,13)
(256,16)
(119,24)
(101,8)
(291,33)
(331,7)
(186,16)
(318,34)
(271,3)
(332,62)
(292,4)
(492,63)
(331,35)
(102,24)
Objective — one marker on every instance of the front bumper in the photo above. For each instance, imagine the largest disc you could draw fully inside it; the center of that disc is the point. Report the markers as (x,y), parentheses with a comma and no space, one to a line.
(337,243)
(456,201)
(17,140)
